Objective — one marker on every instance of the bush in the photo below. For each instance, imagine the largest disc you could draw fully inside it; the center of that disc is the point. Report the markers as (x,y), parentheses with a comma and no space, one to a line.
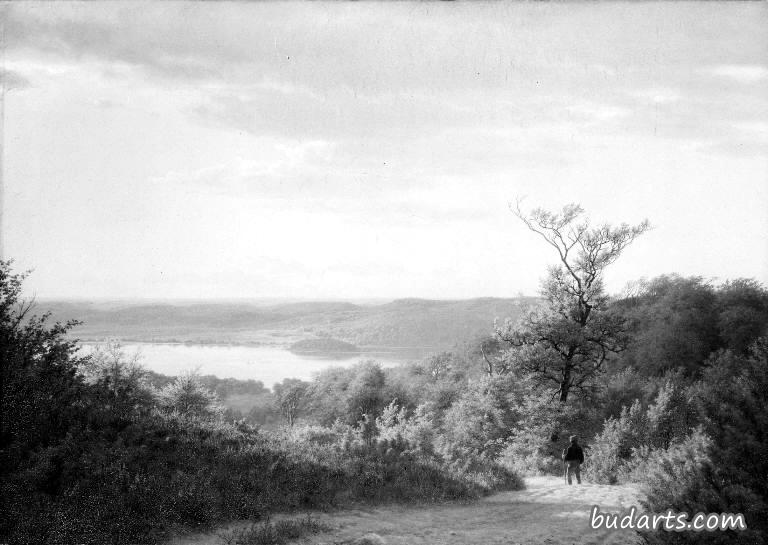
(682,463)
(188,397)
(418,432)
(528,453)
(636,432)
(542,430)
(273,533)
(473,423)
(730,400)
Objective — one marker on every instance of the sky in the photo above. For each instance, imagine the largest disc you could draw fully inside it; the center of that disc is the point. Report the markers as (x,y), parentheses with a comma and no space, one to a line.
(363,150)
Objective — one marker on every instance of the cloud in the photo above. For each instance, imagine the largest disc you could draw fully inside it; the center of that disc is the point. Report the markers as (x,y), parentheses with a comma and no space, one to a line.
(333,72)
(13,81)
(742,148)
(657,95)
(704,115)
(598,113)
(757,129)
(342,114)
(742,73)
(328,45)
(280,175)
(745,139)
(151,37)
(313,179)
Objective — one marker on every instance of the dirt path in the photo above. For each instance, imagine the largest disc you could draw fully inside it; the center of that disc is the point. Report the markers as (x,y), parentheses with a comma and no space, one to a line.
(547,512)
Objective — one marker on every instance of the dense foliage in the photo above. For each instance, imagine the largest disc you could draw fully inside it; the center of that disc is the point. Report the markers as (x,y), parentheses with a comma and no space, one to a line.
(725,472)
(687,403)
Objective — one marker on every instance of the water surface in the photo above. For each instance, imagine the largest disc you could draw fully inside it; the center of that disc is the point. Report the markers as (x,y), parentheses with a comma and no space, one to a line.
(268,364)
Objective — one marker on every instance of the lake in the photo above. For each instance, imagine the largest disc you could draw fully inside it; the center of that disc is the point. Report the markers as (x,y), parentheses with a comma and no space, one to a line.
(269,364)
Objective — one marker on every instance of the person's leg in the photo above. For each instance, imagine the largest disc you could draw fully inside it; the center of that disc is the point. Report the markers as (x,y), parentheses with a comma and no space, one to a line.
(577,471)
(568,472)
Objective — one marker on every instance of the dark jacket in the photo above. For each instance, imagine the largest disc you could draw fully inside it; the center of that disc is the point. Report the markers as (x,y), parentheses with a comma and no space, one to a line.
(572,453)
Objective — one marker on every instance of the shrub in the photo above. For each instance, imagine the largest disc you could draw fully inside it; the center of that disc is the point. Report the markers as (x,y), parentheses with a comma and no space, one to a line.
(730,400)
(682,462)
(188,397)
(418,431)
(475,421)
(529,453)
(273,533)
(541,431)
(630,437)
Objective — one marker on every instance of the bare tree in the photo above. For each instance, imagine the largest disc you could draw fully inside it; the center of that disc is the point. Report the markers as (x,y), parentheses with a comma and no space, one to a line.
(492,350)
(565,342)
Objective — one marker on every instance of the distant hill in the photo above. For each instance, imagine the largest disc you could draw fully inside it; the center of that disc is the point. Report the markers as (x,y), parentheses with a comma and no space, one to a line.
(422,323)
(323,345)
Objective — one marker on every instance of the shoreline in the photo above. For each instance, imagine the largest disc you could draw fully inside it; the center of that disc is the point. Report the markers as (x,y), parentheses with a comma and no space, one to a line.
(362,351)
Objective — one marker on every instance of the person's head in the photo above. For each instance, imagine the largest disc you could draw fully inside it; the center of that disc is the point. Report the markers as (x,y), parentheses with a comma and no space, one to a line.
(574,440)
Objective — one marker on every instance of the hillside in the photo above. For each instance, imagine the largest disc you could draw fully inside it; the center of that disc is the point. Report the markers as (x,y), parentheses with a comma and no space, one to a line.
(433,324)
(323,345)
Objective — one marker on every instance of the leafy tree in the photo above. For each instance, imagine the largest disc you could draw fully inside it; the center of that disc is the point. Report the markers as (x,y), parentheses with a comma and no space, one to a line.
(122,383)
(291,397)
(327,396)
(743,313)
(677,322)
(187,396)
(367,394)
(474,420)
(621,387)
(41,393)
(438,366)
(347,394)
(674,325)
(564,343)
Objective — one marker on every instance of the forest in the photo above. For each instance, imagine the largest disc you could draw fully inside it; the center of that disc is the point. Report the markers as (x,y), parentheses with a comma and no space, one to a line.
(665,384)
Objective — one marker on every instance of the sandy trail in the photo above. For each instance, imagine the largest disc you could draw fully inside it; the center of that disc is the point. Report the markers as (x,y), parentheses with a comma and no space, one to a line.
(547,512)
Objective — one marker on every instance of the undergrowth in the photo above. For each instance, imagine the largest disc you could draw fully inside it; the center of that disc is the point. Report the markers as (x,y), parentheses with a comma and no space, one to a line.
(273,533)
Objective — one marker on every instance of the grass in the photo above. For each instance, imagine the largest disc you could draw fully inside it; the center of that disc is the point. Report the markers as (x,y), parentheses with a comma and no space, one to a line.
(273,533)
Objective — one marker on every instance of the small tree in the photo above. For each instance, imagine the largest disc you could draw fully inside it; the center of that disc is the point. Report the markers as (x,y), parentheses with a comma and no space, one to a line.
(121,380)
(565,342)
(366,394)
(292,396)
(188,397)
(438,366)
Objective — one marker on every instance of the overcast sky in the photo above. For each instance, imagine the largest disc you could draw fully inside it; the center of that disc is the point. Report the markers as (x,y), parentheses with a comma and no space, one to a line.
(371,149)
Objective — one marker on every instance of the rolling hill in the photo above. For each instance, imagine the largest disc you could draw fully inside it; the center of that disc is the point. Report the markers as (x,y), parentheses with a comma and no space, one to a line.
(433,324)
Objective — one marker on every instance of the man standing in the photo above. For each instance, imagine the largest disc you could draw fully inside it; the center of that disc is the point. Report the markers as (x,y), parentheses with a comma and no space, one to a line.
(573,457)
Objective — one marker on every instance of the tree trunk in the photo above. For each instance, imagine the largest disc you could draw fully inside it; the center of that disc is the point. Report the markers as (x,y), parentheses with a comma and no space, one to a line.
(565,384)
